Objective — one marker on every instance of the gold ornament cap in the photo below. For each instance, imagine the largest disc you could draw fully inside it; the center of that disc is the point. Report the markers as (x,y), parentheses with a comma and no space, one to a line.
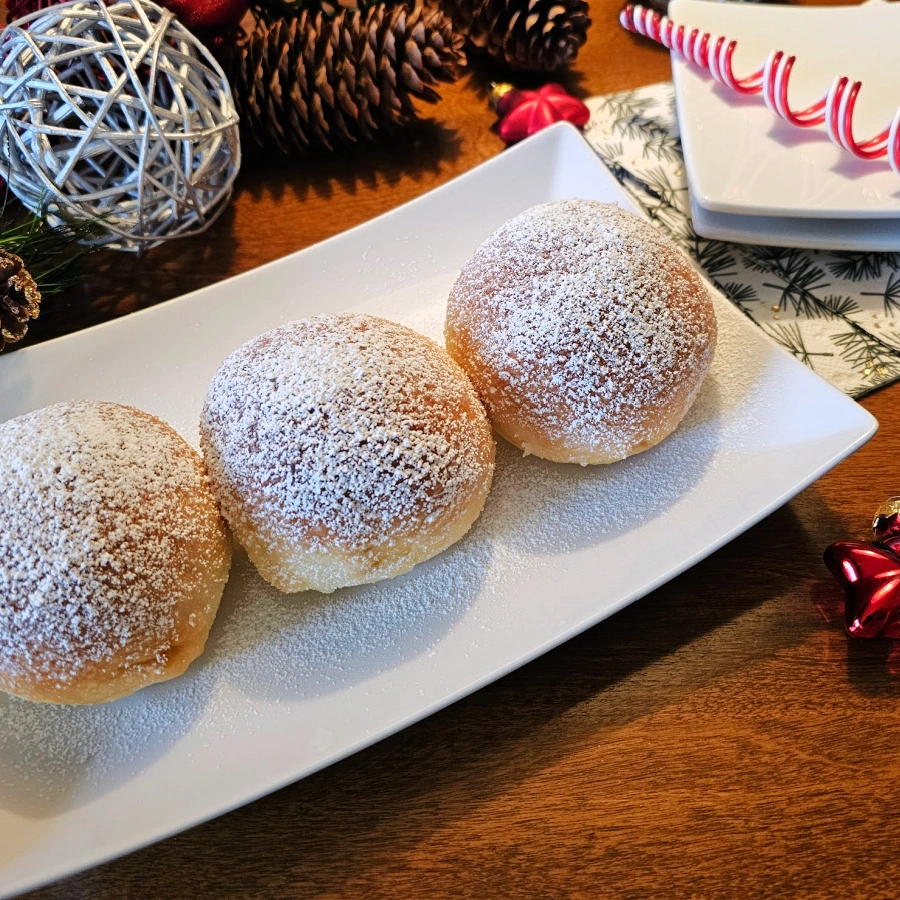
(890,508)
(499,89)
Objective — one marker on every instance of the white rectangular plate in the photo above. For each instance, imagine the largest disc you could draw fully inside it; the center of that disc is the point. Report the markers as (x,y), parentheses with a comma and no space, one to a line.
(741,158)
(291,684)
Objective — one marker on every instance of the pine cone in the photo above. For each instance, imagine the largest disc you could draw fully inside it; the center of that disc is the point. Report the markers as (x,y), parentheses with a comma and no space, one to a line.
(20,299)
(314,80)
(535,35)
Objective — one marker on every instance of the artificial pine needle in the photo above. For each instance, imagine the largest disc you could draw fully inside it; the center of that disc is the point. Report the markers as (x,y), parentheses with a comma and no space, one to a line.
(50,253)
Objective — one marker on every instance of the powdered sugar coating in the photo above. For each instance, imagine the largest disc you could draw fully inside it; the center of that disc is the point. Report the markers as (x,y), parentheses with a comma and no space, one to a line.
(109,541)
(583,328)
(344,435)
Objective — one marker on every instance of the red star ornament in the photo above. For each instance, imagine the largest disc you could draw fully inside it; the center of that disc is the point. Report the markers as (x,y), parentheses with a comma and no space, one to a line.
(523,113)
(869,572)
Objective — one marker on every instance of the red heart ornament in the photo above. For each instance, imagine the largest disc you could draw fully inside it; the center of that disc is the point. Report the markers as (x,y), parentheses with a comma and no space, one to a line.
(524,113)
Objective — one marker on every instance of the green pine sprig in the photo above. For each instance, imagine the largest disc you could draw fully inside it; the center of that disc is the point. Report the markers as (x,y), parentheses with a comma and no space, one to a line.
(51,253)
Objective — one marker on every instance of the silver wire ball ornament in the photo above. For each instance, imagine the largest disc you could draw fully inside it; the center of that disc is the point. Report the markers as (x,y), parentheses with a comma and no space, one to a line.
(116,113)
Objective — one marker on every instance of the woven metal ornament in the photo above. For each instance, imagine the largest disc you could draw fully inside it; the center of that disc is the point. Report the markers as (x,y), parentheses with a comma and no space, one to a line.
(116,113)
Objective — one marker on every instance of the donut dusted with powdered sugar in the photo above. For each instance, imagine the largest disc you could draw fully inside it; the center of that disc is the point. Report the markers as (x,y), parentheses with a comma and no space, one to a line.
(345,449)
(586,332)
(113,555)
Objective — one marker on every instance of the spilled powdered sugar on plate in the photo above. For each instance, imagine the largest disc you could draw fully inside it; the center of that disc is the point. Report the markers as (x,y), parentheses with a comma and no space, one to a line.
(266,647)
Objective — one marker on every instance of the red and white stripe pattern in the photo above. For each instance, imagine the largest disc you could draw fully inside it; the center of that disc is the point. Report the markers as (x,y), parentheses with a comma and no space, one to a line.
(715,53)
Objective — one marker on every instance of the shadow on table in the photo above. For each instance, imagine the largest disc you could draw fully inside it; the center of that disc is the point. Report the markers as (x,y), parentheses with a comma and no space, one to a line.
(482,73)
(873,666)
(416,152)
(113,283)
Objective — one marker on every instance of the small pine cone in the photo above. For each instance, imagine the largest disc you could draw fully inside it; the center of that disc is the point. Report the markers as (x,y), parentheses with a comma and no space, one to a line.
(20,299)
(532,35)
(318,81)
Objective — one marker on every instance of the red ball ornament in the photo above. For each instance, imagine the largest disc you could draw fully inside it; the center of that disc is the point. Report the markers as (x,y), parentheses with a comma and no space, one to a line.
(523,113)
(869,572)
(208,18)
(205,18)
(16,9)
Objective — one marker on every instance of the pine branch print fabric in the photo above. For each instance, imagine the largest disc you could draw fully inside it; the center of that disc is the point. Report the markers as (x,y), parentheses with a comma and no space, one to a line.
(837,312)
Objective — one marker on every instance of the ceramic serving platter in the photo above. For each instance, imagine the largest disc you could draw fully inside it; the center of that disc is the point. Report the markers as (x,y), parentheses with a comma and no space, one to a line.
(290,684)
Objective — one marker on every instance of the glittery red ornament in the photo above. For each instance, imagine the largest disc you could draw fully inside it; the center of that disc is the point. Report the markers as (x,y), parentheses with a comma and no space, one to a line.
(208,18)
(523,113)
(870,574)
(16,9)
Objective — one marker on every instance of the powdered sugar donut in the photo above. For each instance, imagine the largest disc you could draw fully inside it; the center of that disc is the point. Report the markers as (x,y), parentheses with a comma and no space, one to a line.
(113,555)
(585,331)
(345,449)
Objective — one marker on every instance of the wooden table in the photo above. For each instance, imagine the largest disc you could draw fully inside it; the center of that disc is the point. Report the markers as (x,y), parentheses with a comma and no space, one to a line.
(721,737)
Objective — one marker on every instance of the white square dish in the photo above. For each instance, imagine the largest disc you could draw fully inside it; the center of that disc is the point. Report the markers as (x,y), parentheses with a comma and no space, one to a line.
(743,159)
(865,235)
(291,684)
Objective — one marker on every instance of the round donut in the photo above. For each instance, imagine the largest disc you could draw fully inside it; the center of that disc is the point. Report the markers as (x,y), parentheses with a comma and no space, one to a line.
(344,449)
(585,331)
(113,555)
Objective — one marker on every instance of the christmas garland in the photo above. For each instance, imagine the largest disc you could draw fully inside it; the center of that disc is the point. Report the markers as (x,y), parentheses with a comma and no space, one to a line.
(328,73)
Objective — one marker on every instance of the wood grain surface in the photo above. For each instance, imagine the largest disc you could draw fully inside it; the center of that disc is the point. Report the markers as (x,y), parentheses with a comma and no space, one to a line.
(721,737)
